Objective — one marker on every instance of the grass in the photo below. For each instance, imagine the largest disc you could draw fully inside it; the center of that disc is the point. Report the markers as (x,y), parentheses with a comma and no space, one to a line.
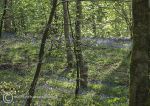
(108,76)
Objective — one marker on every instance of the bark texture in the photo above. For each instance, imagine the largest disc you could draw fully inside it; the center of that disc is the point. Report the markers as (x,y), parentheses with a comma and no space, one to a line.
(2,18)
(8,21)
(67,35)
(41,53)
(139,85)
(83,68)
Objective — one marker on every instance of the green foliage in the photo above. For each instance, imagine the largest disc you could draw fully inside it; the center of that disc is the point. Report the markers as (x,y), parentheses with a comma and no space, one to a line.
(109,18)
(30,15)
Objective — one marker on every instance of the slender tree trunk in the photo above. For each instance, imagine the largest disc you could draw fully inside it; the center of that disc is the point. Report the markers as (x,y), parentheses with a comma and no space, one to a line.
(8,17)
(139,88)
(149,52)
(93,20)
(94,25)
(3,16)
(41,53)
(76,56)
(67,35)
(83,67)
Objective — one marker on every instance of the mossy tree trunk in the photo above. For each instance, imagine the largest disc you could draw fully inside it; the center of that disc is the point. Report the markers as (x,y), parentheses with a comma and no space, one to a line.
(94,28)
(3,16)
(8,21)
(139,88)
(67,35)
(83,67)
(41,54)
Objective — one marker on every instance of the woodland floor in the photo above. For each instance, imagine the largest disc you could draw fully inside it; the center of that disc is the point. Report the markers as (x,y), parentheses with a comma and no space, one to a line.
(108,62)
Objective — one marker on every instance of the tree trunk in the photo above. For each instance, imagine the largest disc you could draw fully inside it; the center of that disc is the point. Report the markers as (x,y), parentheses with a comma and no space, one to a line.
(94,25)
(8,21)
(149,52)
(3,16)
(83,67)
(139,60)
(67,35)
(41,53)
(93,20)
